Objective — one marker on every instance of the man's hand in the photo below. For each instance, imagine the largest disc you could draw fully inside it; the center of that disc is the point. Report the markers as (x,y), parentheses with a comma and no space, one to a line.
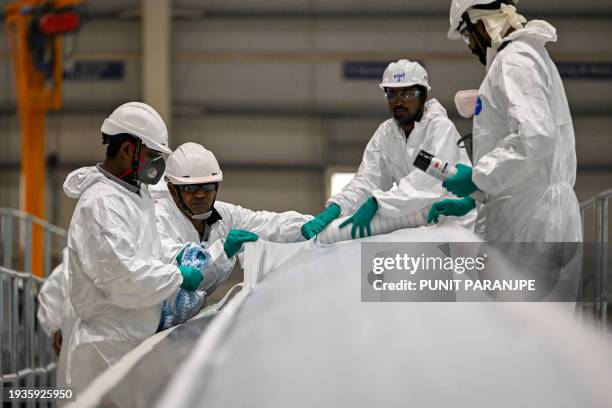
(235,239)
(461,183)
(57,342)
(455,207)
(313,227)
(362,218)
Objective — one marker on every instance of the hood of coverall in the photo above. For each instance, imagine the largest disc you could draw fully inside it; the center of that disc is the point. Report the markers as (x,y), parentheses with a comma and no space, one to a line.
(80,180)
(538,30)
(432,108)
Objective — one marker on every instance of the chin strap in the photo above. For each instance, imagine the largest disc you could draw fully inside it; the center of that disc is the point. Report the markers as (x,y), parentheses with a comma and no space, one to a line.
(202,217)
(187,211)
(125,173)
(181,205)
(135,165)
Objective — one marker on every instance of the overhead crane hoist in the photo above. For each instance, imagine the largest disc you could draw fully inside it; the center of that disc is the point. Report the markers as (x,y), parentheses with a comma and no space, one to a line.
(35,30)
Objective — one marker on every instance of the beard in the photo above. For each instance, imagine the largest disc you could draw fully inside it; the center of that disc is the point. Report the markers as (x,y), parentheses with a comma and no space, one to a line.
(482,57)
(405,117)
(481,49)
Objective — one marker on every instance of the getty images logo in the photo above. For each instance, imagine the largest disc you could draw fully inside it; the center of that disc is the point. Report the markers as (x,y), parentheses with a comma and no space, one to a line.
(399,77)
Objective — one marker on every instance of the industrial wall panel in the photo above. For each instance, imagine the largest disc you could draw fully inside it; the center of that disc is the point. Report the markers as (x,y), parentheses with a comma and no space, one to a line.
(251,140)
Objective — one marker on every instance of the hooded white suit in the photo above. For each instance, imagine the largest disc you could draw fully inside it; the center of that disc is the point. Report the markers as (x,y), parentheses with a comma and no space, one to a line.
(117,275)
(176,230)
(389,158)
(524,145)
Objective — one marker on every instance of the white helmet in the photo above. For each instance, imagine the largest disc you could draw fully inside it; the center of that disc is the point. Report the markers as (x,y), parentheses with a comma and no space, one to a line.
(192,163)
(404,73)
(458,7)
(140,120)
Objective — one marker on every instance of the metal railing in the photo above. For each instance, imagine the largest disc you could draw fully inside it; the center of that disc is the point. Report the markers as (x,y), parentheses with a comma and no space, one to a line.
(601,292)
(27,358)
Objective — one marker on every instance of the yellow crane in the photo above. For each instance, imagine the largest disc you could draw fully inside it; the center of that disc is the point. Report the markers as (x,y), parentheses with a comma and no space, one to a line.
(35,29)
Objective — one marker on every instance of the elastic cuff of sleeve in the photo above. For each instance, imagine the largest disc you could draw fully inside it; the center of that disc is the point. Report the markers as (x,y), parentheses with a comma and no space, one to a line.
(480,181)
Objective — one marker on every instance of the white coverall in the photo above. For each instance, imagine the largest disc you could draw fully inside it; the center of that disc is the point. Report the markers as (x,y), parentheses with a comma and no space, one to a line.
(118,280)
(524,146)
(176,230)
(52,305)
(389,158)
(54,308)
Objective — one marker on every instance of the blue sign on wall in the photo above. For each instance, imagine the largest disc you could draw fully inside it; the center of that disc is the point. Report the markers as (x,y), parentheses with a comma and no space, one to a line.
(363,69)
(568,70)
(366,69)
(95,71)
(585,70)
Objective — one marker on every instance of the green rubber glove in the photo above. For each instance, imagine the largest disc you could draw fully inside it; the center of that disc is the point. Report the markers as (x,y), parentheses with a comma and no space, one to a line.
(448,206)
(313,227)
(191,277)
(235,239)
(179,257)
(362,218)
(461,183)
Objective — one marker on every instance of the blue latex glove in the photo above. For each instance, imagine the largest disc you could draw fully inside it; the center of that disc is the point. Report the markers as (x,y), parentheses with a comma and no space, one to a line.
(362,218)
(313,227)
(235,239)
(461,183)
(457,207)
(195,256)
(180,309)
(187,302)
(191,277)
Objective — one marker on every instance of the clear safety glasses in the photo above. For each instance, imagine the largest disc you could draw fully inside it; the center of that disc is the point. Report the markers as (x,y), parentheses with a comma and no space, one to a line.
(407,95)
(465,34)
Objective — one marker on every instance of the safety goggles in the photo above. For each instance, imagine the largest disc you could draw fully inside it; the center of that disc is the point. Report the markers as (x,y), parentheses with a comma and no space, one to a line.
(465,28)
(466,35)
(192,188)
(407,95)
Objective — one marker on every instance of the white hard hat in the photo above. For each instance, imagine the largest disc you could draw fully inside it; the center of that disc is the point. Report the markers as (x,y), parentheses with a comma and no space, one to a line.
(458,7)
(192,163)
(404,73)
(140,120)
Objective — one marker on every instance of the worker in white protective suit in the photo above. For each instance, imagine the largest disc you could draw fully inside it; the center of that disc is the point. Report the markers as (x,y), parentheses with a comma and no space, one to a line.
(119,275)
(416,123)
(188,211)
(55,313)
(523,137)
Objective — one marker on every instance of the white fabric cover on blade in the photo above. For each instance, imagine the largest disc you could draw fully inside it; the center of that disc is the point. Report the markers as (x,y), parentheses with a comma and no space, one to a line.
(378,226)
(301,337)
